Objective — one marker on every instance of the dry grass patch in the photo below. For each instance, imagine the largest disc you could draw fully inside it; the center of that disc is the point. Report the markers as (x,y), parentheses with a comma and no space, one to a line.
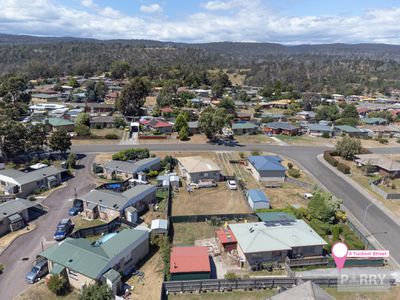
(187,233)
(39,291)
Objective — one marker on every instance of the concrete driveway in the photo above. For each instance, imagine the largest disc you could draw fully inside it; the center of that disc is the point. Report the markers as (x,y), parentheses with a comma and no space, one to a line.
(19,257)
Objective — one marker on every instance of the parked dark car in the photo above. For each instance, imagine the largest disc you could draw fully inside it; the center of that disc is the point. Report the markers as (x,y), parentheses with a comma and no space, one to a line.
(39,270)
(76,209)
(63,229)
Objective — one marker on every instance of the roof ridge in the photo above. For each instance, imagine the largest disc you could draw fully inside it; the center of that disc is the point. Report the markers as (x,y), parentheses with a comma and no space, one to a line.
(86,250)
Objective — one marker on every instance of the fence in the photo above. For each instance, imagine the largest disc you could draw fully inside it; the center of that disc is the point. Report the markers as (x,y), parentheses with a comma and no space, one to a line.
(357,232)
(299,183)
(240,284)
(309,261)
(388,196)
(204,218)
(103,228)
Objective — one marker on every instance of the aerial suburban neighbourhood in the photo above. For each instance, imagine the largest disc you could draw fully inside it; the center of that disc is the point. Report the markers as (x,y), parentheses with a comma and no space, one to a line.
(143,158)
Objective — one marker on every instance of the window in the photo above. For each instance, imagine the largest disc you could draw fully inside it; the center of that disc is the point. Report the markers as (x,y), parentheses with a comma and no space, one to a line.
(103,209)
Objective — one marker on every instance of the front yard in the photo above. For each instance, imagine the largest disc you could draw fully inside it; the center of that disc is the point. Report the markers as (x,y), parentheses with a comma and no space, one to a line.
(39,291)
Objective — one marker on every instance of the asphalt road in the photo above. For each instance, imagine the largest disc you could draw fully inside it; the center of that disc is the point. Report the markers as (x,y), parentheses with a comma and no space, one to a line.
(377,222)
(19,257)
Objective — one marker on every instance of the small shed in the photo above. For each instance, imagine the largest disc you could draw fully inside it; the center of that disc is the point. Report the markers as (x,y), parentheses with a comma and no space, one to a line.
(159,226)
(190,263)
(226,239)
(257,199)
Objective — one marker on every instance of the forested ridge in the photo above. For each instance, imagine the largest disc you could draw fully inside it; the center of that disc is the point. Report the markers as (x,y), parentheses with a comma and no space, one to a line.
(342,68)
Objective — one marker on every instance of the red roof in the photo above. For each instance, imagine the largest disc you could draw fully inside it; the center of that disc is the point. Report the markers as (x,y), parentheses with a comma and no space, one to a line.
(162,124)
(189,259)
(225,236)
(167,109)
(363,110)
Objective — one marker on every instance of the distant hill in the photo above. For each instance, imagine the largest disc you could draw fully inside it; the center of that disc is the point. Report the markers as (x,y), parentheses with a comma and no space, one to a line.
(374,51)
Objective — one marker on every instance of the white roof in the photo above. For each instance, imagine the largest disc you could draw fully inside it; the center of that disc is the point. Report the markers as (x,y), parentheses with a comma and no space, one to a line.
(197,164)
(159,224)
(258,237)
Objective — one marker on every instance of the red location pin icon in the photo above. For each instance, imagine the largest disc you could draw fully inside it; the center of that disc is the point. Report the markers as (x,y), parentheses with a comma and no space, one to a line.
(339,253)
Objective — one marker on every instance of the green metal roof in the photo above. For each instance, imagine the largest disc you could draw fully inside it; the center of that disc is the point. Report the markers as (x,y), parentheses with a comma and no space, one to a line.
(244,125)
(82,256)
(258,237)
(57,269)
(347,128)
(374,121)
(275,216)
(55,122)
(112,275)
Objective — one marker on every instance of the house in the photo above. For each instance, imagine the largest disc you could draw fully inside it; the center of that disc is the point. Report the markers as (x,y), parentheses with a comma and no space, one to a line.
(40,98)
(283,103)
(244,128)
(261,242)
(384,165)
(60,124)
(350,131)
(189,263)
(284,128)
(195,168)
(14,214)
(306,115)
(307,290)
(243,116)
(159,226)
(157,125)
(24,183)
(381,131)
(226,239)
(267,168)
(167,180)
(83,262)
(102,122)
(108,205)
(257,199)
(194,127)
(374,121)
(319,130)
(166,111)
(129,169)
(94,108)
(274,117)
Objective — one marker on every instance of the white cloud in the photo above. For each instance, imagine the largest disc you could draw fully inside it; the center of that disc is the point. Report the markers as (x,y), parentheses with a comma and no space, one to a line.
(151,8)
(246,21)
(218,5)
(88,3)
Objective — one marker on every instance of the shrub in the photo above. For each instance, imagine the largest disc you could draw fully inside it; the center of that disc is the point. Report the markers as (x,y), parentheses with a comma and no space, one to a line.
(382,140)
(343,168)
(183,134)
(1,268)
(295,173)
(241,155)
(152,173)
(326,135)
(231,276)
(58,285)
(330,159)
(96,291)
(335,232)
(255,153)
(112,136)
(82,130)
(71,160)
(398,140)
(132,154)
(290,165)
(393,186)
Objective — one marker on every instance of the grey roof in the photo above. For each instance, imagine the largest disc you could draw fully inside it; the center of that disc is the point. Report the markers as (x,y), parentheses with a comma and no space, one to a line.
(281,125)
(129,166)
(103,119)
(26,177)
(304,291)
(193,124)
(112,275)
(115,200)
(12,207)
(318,127)
(258,237)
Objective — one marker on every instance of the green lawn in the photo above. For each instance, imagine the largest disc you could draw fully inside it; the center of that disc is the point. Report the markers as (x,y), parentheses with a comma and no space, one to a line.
(83,223)
(103,132)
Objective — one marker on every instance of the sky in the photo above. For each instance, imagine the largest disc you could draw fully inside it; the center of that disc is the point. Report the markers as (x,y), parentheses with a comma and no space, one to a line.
(199,21)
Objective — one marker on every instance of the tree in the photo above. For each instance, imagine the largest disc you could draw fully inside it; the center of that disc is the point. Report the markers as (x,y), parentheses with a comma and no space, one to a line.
(169,95)
(350,112)
(36,137)
(13,89)
(120,122)
(347,147)
(133,96)
(83,119)
(183,134)
(73,82)
(58,285)
(13,138)
(228,104)
(60,141)
(95,91)
(119,69)
(212,121)
(96,292)
(71,160)
(181,122)
(323,207)
(328,113)
(82,130)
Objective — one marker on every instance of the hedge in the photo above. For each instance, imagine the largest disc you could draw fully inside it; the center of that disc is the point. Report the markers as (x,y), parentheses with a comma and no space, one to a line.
(330,159)
(343,168)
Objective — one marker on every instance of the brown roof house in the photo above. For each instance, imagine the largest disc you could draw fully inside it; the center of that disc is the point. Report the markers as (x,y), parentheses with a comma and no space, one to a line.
(384,165)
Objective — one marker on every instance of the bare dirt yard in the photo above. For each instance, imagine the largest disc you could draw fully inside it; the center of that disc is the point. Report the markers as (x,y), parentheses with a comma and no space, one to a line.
(150,286)
(173,139)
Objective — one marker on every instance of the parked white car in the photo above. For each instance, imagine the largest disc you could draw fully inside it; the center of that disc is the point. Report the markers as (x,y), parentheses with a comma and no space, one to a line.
(232,184)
